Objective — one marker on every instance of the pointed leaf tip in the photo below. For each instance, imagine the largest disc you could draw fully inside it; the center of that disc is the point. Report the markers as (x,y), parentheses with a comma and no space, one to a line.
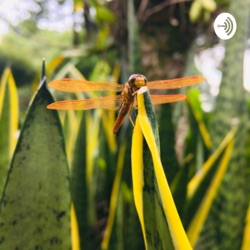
(43,75)
(43,68)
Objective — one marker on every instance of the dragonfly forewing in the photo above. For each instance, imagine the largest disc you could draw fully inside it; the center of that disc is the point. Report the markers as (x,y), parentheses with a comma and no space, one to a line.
(73,85)
(112,102)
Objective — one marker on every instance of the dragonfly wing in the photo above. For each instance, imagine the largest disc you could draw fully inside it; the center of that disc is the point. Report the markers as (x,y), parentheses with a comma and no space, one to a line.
(175,83)
(73,85)
(160,99)
(112,102)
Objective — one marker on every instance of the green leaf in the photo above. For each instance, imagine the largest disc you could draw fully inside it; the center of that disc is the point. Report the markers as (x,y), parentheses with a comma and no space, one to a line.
(195,105)
(78,183)
(104,14)
(100,72)
(205,205)
(161,225)
(209,5)
(8,123)
(168,134)
(114,197)
(195,11)
(35,209)
(199,184)
(246,238)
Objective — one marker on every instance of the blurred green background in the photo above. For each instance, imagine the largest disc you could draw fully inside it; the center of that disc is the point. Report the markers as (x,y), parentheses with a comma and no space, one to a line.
(205,140)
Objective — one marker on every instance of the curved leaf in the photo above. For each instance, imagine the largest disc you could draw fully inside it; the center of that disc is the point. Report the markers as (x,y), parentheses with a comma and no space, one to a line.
(197,223)
(161,225)
(195,105)
(8,123)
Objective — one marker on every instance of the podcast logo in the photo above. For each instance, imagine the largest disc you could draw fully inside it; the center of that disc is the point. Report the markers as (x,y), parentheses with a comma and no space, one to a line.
(225,26)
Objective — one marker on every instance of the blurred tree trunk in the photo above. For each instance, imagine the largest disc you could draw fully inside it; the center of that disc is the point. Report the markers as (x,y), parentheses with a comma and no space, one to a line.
(225,224)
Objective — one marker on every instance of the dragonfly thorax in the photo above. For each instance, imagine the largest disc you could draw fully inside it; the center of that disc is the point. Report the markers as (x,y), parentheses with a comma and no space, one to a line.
(136,81)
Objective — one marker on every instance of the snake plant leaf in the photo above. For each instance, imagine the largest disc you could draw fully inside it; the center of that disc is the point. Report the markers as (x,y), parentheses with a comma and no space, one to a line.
(78,183)
(195,105)
(246,238)
(35,208)
(160,222)
(199,184)
(114,198)
(202,212)
(167,133)
(74,229)
(8,123)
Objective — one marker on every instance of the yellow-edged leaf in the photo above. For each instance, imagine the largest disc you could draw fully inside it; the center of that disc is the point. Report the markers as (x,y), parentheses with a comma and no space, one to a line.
(195,104)
(168,220)
(74,229)
(137,174)
(36,209)
(246,238)
(8,122)
(198,178)
(114,198)
(200,216)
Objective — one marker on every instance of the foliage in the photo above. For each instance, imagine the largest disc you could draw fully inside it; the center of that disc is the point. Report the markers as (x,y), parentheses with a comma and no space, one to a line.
(8,122)
(160,222)
(33,198)
(75,157)
(42,43)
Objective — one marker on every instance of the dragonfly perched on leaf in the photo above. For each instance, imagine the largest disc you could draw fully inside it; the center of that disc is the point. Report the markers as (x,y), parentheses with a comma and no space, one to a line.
(125,101)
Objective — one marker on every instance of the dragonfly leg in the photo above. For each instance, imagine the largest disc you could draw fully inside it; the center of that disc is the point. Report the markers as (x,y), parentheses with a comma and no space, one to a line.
(130,118)
(135,105)
(134,93)
(129,115)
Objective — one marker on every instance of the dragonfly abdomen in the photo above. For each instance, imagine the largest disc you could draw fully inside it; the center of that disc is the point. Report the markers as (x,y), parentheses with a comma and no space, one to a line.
(124,110)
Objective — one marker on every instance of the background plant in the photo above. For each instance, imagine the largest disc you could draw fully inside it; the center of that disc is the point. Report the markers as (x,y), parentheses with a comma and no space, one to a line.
(204,154)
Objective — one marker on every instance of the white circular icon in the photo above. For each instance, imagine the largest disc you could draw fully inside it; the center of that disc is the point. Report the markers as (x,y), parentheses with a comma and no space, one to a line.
(225,26)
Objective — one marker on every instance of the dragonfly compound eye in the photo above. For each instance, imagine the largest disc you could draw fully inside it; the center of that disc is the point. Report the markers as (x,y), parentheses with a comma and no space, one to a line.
(137,81)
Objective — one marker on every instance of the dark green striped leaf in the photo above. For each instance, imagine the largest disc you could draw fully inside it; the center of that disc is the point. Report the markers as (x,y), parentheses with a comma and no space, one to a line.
(35,209)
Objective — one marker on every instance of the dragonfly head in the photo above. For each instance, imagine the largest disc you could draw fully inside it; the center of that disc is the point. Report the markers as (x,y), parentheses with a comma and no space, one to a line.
(136,81)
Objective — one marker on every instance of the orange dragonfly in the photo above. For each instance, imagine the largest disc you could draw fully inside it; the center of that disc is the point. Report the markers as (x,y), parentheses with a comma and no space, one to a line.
(125,101)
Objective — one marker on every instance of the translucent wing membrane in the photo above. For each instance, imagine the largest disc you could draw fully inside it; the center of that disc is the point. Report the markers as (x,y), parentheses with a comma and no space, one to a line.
(73,85)
(175,83)
(160,99)
(112,102)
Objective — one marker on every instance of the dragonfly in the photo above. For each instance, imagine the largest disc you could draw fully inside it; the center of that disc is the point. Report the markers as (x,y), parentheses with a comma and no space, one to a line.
(124,101)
